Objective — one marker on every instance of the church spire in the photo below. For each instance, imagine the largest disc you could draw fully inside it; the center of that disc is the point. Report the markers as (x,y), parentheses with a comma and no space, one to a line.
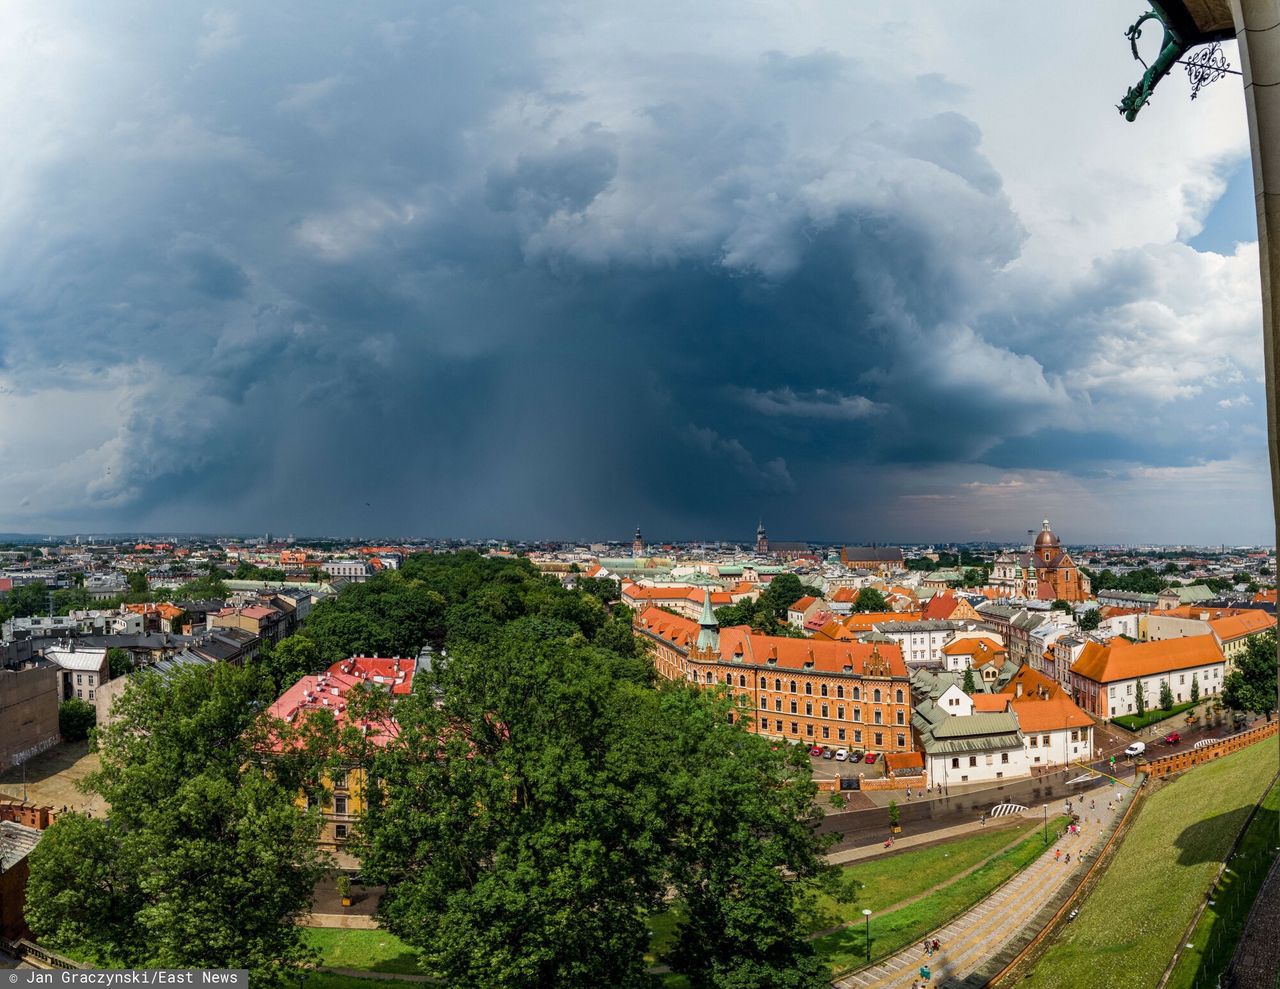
(709,634)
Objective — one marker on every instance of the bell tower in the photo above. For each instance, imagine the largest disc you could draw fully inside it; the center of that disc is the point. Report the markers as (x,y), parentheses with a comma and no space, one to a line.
(762,541)
(637,545)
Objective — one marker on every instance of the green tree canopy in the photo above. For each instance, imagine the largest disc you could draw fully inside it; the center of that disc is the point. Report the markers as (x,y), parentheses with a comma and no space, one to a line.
(1090,619)
(205,862)
(119,662)
(870,599)
(1251,686)
(75,719)
(1166,696)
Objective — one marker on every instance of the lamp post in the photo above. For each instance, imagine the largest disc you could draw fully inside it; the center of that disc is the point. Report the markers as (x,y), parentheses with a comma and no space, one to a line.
(867,916)
(1046,824)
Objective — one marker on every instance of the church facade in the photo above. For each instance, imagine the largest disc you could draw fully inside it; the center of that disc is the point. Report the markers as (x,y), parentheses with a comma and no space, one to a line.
(1045,572)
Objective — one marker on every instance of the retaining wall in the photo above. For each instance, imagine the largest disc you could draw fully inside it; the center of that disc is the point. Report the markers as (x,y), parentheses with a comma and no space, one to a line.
(1180,762)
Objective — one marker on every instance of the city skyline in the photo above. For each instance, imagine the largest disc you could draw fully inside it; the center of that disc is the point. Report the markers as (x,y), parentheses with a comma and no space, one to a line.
(593,267)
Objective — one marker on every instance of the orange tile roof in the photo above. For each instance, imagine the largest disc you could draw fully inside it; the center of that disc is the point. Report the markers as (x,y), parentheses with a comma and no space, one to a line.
(805,602)
(740,643)
(1264,596)
(864,621)
(1238,626)
(972,647)
(327,691)
(990,703)
(845,595)
(1122,660)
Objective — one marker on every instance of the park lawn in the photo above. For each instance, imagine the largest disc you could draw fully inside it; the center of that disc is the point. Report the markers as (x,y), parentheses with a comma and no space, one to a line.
(882,882)
(846,949)
(1219,928)
(366,950)
(333,980)
(1131,923)
(1136,722)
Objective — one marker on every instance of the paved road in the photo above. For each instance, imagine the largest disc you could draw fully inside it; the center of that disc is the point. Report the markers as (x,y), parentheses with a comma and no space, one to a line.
(918,817)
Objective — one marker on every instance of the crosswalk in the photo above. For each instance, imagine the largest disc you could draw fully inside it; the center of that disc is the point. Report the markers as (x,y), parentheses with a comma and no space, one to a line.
(1004,810)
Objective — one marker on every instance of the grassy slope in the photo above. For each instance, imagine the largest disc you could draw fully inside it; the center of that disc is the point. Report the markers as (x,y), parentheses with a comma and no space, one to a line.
(369,951)
(1131,923)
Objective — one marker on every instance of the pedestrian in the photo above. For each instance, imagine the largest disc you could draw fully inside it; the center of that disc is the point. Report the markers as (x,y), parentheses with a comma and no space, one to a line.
(926,952)
(1057,854)
(937,945)
(908,793)
(1068,861)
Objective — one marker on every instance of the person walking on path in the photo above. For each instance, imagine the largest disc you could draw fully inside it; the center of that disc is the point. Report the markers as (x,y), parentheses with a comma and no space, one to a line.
(937,946)
(1057,854)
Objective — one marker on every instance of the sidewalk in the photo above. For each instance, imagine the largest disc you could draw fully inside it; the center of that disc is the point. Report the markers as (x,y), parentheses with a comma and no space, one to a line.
(969,941)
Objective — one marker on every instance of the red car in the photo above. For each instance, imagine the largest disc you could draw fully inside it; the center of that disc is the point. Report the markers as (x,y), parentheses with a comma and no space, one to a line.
(871,756)
(816,750)
(1173,738)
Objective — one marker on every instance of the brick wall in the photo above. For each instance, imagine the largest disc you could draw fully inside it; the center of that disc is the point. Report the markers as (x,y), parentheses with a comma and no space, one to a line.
(27,814)
(1182,761)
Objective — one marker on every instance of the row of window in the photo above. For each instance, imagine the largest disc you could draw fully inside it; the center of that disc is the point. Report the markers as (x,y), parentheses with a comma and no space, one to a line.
(825,732)
(876,694)
(877,715)
(1213,673)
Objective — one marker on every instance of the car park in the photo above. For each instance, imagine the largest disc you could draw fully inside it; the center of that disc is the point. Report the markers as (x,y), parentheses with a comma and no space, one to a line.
(842,755)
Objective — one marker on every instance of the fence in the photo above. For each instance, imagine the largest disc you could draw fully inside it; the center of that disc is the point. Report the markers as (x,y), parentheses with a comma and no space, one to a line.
(29,951)
(1182,761)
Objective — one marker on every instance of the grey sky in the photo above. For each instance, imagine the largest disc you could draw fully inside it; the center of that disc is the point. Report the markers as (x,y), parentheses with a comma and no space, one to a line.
(556,269)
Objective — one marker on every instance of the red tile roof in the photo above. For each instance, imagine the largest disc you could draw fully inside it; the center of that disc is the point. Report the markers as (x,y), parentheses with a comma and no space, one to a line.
(327,691)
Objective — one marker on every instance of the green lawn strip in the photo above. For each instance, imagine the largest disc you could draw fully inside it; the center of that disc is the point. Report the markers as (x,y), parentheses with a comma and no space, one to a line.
(1136,722)
(336,980)
(1218,930)
(887,881)
(846,949)
(366,950)
(1131,923)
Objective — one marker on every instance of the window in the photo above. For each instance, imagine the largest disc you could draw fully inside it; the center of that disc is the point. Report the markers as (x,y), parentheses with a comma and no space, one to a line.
(777,684)
(90,679)
(1044,740)
(764,703)
(777,703)
(79,679)
(1075,734)
(840,711)
(826,712)
(876,695)
(793,707)
(902,740)
(955,763)
(808,730)
(340,831)
(824,690)
(973,761)
(91,695)
(80,694)
(898,696)
(826,732)
(710,677)
(808,687)
(989,758)
(728,679)
(839,689)
(879,739)
(1004,758)
(1113,692)
(879,716)
(857,735)
(339,805)
(764,683)
(1032,741)
(857,714)
(742,679)
(857,693)
(808,708)
(902,717)
(840,734)
(793,686)
(1182,678)
(795,728)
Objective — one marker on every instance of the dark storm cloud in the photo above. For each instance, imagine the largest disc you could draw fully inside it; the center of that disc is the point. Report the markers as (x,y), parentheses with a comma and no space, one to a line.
(409,271)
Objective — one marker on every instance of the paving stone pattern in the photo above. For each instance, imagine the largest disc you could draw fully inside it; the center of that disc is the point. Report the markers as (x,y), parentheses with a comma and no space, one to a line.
(977,944)
(1256,964)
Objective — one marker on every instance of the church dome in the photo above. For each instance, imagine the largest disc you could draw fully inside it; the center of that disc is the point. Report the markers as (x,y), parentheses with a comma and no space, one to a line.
(1046,539)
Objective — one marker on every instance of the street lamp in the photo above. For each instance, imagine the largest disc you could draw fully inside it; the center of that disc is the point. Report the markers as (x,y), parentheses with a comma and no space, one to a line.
(867,915)
(1046,824)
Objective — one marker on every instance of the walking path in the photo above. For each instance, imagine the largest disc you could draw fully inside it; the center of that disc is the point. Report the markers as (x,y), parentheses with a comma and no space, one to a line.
(973,938)
(1257,959)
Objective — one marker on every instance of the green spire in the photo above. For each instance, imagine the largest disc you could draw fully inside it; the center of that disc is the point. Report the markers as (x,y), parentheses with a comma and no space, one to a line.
(709,636)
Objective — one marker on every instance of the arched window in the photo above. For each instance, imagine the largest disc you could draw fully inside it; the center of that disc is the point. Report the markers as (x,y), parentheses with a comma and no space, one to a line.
(728,679)
(876,695)
(899,696)
(808,687)
(902,740)
(793,686)
(764,683)
(742,682)
(764,703)
(857,693)
(824,690)
(839,689)
(777,684)
(808,707)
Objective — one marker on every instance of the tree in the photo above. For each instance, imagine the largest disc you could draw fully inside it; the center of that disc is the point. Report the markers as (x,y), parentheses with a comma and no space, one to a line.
(1060,605)
(138,582)
(75,719)
(870,599)
(1195,688)
(1140,705)
(119,662)
(969,684)
(894,813)
(205,588)
(289,660)
(1091,619)
(1166,696)
(205,861)
(1251,686)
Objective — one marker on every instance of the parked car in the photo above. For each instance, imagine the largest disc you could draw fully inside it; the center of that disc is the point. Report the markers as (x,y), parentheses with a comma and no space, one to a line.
(855,755)
(816,751)
(827,752)
(1136,749)
(871,756)
(1173,738)
(842,755)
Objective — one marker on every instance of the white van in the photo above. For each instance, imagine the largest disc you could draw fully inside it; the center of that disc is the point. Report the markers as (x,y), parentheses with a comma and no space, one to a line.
(1136,749)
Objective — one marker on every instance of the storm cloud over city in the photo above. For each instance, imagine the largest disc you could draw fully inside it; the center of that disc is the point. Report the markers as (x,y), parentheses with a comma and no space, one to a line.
(558,269)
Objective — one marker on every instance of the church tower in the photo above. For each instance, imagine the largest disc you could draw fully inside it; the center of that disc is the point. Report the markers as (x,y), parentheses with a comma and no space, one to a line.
(637,545)
(708,627)
(762,541)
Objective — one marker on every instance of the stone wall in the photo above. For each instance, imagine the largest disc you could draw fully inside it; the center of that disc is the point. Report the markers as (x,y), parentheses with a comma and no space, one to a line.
(1170,764)
(28,711)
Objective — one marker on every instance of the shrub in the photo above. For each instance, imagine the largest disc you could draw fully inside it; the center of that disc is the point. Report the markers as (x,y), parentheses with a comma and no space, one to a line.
(75,718)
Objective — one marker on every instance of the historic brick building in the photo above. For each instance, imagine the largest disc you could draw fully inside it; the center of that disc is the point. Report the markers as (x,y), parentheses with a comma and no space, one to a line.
(1045,572)
(851,694)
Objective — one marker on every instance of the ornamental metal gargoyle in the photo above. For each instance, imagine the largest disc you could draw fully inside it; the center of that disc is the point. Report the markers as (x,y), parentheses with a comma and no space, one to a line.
(1172,48)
